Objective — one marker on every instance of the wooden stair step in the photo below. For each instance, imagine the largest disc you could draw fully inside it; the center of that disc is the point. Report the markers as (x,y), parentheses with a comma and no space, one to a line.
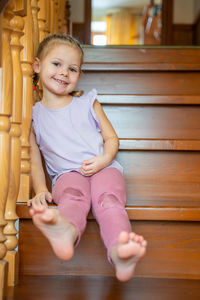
(173,251)
(102,288)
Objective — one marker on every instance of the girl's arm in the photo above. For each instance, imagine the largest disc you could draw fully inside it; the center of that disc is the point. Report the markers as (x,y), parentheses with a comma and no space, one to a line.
(37,173)
(111,141)
(111,144)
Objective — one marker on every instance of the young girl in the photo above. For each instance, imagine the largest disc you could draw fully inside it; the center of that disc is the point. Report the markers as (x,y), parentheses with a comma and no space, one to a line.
(79,145)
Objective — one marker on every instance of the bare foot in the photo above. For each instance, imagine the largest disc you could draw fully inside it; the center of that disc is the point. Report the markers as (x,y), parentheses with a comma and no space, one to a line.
(127,253)
(60,233)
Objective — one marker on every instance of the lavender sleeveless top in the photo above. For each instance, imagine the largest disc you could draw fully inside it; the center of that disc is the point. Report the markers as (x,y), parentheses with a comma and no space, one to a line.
(69,135)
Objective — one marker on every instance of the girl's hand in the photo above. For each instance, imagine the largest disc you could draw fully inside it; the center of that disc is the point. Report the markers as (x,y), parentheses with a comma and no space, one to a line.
(95,164)
(40,199)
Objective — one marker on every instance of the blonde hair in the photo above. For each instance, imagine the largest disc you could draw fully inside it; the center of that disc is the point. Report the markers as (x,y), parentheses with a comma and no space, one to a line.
(43,49)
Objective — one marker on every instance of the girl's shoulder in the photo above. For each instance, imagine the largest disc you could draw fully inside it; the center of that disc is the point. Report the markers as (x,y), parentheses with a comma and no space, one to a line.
(35,108)
(87,98)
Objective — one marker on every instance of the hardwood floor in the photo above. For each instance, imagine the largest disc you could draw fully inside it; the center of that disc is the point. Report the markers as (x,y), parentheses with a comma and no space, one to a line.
(102,288)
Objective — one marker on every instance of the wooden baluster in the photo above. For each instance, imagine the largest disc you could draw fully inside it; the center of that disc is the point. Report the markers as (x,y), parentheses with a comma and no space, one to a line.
(35,9)
(67,24)
(64,17)
(56,17)
(48,17)
(42,16)
(17,24)
(52,16)
(26,63)
(5,113)
(60,15)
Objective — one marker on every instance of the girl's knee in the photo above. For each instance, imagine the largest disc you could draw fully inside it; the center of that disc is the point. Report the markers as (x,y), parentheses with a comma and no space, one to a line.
(108,200)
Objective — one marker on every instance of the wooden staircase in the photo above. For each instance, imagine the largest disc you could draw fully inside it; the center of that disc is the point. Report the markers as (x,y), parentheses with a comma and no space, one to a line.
(152,97)
(173,251)
(102,288)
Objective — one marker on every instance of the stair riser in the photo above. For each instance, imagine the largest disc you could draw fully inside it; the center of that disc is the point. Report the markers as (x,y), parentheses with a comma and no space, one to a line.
(173,251)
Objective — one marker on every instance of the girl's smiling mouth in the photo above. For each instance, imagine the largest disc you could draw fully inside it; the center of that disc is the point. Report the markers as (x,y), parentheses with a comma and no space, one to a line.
(60,81)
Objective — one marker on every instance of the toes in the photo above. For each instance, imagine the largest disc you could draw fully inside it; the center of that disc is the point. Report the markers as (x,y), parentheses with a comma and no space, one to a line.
(31,211)
(38,208)
(49,216)
(138,239)
(132,236)
(144,243)
(123,237)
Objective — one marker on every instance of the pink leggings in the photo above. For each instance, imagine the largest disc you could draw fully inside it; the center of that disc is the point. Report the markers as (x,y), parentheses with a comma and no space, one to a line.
(104,192)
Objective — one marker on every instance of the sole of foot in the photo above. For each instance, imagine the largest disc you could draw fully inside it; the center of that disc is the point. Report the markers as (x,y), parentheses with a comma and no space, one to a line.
(60,233)
(127,253)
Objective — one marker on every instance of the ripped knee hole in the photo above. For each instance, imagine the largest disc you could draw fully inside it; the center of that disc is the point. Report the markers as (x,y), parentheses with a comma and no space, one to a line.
(73,192)
(107,200)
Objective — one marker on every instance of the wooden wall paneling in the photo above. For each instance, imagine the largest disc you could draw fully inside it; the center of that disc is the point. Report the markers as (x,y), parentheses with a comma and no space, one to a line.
(197,31)
(88,19)
(82,31)
(167,22)
(5,113)
(183,34)
(17,24)
(78,32)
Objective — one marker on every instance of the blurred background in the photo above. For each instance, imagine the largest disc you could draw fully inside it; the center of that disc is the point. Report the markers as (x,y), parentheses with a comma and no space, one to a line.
(136,22)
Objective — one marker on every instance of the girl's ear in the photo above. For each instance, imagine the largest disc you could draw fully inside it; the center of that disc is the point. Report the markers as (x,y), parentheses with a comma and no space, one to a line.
(36,65)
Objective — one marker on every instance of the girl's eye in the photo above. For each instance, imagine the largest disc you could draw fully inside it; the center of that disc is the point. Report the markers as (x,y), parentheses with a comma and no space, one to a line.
(73,70)
(57,64)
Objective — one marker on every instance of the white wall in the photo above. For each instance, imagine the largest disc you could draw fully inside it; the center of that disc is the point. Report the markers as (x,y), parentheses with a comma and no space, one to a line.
(186,11)
(197,8)
(77,11)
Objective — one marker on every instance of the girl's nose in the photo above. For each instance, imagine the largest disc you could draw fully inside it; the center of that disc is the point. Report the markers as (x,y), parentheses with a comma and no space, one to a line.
(64,71)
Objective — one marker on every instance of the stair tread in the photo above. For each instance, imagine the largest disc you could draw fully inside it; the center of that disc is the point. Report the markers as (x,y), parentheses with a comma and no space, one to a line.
(102,288)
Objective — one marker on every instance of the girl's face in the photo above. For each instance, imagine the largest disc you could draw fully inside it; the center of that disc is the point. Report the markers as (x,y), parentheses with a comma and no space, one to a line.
(59,70)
